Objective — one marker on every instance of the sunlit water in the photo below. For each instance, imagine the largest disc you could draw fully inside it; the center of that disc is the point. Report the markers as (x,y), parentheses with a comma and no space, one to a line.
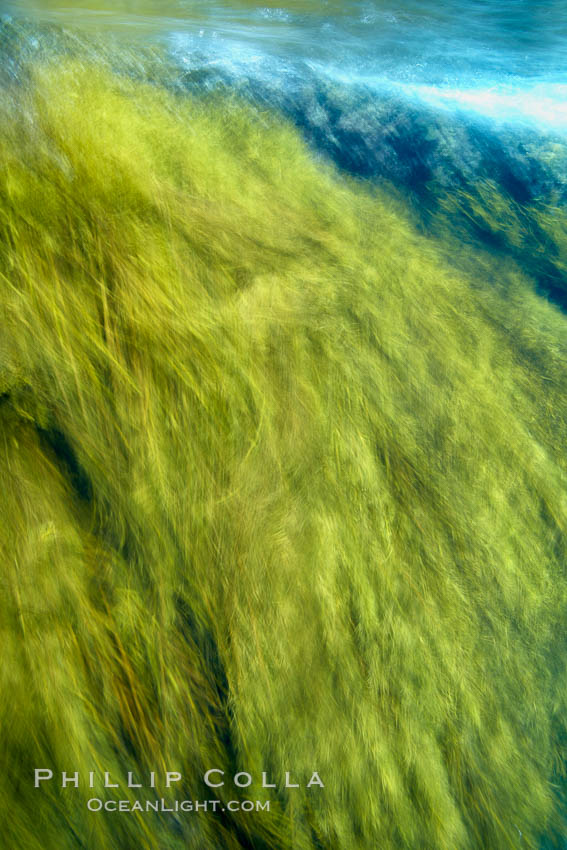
(504,60)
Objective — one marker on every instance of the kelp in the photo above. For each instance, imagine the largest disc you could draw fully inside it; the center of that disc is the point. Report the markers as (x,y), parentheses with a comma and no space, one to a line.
(531,235)
(283,491)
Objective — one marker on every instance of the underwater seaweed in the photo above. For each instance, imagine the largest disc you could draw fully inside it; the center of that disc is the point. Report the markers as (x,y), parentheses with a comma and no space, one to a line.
(284,490)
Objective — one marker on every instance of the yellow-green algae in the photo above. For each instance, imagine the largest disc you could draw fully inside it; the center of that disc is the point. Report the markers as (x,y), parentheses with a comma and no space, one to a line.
(281,492)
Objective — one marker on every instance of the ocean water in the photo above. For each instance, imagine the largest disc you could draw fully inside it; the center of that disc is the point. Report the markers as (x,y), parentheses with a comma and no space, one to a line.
(171,278)
(505,61)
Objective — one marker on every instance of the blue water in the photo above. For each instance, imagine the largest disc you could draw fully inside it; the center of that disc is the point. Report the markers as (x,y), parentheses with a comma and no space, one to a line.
(503,60)
(507,61)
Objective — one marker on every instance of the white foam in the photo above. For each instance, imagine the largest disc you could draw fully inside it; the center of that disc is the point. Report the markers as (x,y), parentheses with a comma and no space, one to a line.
(541,104)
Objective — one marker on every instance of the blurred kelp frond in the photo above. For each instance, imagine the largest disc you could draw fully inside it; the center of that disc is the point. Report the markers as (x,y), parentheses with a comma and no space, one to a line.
(468,180)
(282,491)
(533,235)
